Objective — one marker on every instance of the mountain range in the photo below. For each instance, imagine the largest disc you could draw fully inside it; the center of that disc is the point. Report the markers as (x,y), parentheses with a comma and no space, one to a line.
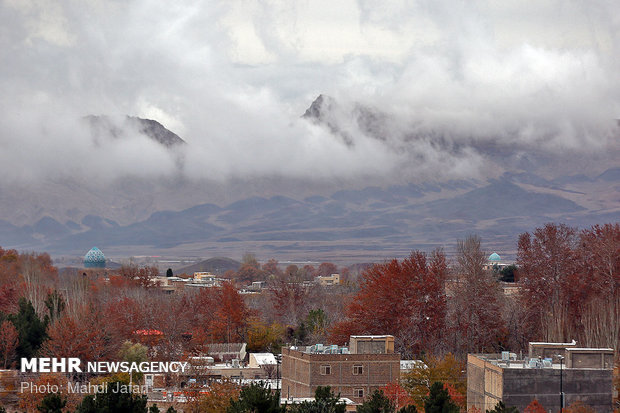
(143,217)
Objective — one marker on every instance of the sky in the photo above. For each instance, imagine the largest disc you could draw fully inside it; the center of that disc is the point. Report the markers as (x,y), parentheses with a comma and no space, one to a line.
(233,78)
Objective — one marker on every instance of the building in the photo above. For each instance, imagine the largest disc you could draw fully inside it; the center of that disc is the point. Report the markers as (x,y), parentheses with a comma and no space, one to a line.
(94,258)
(494,262)
(583,374)
(333,279)
(355,373)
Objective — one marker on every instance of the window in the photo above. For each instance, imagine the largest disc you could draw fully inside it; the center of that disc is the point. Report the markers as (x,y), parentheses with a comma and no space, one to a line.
(358,369)
(325,370)
(358,392)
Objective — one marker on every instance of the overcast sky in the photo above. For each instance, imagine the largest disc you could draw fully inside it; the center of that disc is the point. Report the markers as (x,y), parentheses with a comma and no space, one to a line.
(233,77)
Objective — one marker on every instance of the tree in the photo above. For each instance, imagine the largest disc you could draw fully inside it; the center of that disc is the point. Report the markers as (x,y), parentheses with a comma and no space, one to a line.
(9,340)
(70,337)
(422,376)
(397,395)
(507,274)
(55,304)
(326,269)
(475,312)
(534,407)
(256,398)
(271,268)
(218,398)
(324,402)
(403,298)
(52,403)
(579,407)
(133,353)
(230,318)
(30,328)
(438,400)
(377,403)
(112,401)
(500,407)
(599,253)
(548,267)
(169,272)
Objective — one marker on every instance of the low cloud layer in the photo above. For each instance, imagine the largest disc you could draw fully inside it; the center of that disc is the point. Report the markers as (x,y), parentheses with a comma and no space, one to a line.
(233,78)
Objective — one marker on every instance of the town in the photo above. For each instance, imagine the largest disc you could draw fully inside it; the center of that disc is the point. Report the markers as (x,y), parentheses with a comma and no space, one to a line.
(469,333)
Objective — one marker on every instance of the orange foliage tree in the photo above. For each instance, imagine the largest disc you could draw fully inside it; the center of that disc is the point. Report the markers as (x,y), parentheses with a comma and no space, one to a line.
(82,337)
(534,407)
(403,298)
(9,339)
(397,395)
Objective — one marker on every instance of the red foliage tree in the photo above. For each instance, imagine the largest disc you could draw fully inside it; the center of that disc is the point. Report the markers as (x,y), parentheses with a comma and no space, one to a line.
(9,339)
(397,394)
(404,298)
(548,269)
(326,269)
(534,407)
(82,337)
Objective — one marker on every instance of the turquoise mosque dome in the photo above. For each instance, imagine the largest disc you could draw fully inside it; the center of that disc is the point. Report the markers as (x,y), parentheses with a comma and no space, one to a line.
(494,257)
(94,258)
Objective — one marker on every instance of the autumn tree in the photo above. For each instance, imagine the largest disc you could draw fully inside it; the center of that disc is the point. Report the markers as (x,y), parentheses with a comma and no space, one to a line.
(218,398)
(447,370)
(599,253)
(548,267)
(475,311)
(271,268)
(290,300)
(535,407)
(76,337)
(9,339)
(403,298)
(141,276)
(578,407)
(326,269)
(397,394)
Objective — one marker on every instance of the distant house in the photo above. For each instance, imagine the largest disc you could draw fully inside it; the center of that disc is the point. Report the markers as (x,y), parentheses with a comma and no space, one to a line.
(333,279)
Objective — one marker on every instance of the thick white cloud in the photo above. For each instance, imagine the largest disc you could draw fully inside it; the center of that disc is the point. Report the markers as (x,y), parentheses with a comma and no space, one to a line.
(233,77)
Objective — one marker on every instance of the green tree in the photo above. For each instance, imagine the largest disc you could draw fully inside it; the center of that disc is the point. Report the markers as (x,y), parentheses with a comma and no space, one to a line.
(256,398)
(500,407)
(52,403)
(439,401)
(30,328)
(169,272)
(377,403)
(133,353)
(55,304)
(154,409)
(113,402)
(317,321)
(324,402)
(507,274)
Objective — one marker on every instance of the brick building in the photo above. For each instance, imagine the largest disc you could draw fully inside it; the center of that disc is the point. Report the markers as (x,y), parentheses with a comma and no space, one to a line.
(583,374)
(369,364)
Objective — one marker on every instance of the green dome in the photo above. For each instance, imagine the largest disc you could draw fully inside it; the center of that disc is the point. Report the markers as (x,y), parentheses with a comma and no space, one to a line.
(94,258)
(494,257)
